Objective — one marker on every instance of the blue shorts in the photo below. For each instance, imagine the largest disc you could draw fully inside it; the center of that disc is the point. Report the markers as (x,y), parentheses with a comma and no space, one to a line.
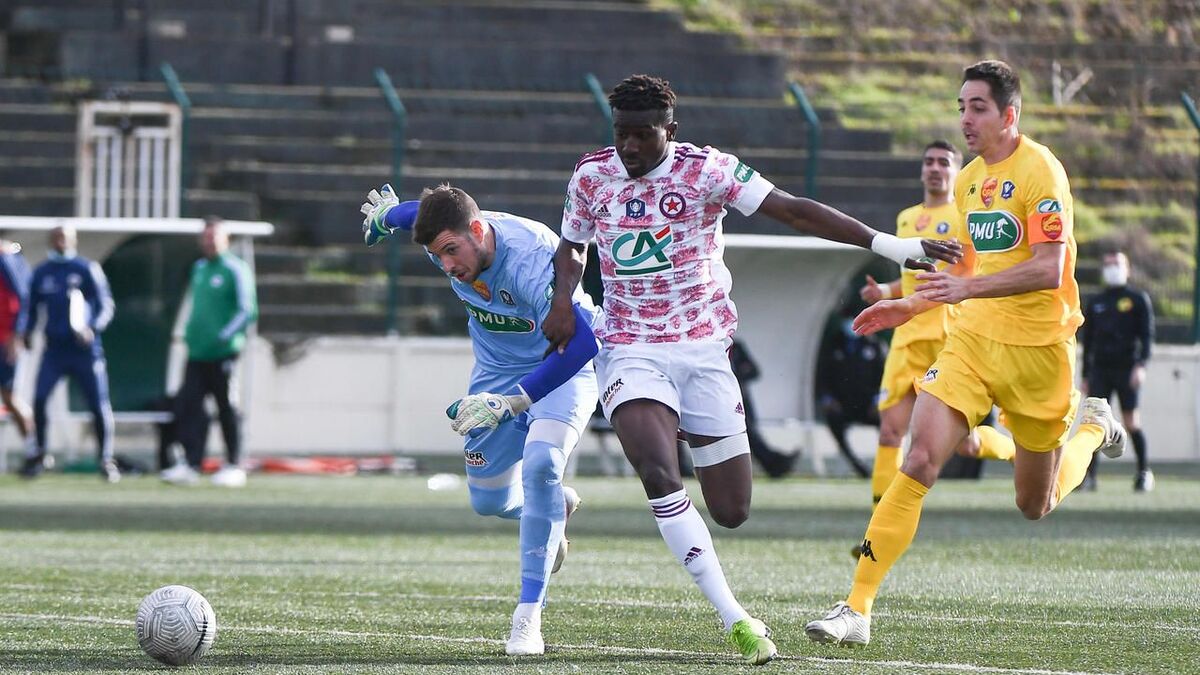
(8,373)
(495,452)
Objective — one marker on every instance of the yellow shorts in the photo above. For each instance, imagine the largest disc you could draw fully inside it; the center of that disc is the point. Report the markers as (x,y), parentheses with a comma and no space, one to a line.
(1034,387)
(904,366)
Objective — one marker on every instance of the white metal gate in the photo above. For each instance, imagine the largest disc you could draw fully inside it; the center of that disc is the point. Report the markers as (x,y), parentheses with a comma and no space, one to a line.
(128,160)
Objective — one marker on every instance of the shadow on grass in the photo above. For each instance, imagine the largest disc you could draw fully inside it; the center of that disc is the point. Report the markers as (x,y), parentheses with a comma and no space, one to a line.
(765,523)
(80,661)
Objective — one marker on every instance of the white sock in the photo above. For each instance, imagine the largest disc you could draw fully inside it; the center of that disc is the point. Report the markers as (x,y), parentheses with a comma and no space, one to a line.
(528,610)
(687,536)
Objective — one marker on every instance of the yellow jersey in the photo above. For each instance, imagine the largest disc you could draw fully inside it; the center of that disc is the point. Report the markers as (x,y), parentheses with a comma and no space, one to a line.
(939,222)
(1008,207)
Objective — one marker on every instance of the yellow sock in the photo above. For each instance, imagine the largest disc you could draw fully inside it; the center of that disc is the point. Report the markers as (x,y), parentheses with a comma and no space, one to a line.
(887,465)
(891,530)
(995,445)
(1076,456)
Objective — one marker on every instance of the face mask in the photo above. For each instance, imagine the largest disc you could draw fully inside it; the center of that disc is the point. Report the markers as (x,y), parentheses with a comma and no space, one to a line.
(1114,275)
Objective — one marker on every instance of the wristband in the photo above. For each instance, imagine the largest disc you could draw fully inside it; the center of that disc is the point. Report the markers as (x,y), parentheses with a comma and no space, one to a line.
(895,248)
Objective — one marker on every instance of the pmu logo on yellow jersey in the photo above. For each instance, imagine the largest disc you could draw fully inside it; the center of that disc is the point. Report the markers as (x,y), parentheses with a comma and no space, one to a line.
(994,231)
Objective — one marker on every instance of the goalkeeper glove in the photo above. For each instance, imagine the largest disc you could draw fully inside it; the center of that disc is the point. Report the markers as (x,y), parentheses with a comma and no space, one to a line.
(486,410)
(378,203)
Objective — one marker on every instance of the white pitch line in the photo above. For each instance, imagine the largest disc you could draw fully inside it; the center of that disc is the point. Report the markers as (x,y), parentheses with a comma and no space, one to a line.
(633,651)
(653,604)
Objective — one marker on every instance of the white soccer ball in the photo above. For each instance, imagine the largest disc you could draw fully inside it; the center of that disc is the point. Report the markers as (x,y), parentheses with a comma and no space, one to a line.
(175,625)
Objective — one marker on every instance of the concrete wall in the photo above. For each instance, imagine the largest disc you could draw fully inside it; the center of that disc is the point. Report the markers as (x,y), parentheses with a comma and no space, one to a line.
(387,395)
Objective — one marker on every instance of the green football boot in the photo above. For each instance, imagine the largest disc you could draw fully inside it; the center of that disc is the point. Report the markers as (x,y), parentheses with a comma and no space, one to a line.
(753,640)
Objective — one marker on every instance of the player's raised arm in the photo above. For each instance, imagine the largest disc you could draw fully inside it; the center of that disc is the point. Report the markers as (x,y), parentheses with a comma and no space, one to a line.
(817,219)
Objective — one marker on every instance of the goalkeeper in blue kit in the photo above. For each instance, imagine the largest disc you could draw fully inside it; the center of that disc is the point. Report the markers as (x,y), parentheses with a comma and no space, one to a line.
(525,410)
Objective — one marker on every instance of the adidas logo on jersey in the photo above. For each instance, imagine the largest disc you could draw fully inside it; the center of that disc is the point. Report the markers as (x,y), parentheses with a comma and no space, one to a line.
(602,212)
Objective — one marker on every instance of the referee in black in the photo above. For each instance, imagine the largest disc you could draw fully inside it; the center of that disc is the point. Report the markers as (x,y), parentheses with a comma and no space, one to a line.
(1117,335)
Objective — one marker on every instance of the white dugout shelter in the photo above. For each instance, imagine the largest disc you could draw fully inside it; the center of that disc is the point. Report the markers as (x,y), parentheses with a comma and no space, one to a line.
(147,262)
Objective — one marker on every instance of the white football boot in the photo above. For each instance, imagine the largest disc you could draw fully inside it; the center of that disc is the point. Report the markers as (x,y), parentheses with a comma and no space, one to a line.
(525,638)
(573,500)
(180,474)
(1098,411)
(841,626)
(230,476)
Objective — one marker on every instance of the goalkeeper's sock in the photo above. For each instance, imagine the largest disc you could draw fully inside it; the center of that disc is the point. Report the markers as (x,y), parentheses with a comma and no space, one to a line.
(688,537)
(994,445)
(887,465)
(544,519)
(889,534)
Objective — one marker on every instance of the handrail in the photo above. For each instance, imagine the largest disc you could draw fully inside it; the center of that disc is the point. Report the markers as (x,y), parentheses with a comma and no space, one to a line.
(814,139)
(602,105)
(1190,106)
(399,122)
(179,95)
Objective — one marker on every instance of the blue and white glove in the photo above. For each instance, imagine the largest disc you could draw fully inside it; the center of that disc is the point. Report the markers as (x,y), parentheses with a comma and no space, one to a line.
(486,410)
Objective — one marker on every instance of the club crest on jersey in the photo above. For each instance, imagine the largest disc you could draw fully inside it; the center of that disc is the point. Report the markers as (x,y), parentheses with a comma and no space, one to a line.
(922,222)
(645,252)
(943,227)
(1124,305)
(506,297)
(482,289)
(672,205)
(1006,190)
(635,208)
(1052,226)
(216,281)
(987,193)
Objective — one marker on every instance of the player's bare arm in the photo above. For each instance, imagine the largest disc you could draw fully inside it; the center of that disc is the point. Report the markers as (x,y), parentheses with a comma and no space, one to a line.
(817,219)
(569,261)
(1043,271)
(873,291)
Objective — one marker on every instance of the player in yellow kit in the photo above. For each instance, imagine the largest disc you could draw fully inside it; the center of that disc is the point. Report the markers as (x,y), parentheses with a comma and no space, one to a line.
(917,343)
(1013,342)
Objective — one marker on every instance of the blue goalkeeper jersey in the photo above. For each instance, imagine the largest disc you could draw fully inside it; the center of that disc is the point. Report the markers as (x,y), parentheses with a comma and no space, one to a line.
(508,302)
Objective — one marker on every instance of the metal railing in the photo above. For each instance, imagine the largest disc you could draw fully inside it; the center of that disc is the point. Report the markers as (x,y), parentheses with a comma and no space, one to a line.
(175,87)
(1190,106)
(597,92)
(814,139)
(399,123)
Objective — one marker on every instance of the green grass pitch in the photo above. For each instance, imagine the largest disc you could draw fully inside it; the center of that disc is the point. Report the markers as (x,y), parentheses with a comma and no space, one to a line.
(381,575)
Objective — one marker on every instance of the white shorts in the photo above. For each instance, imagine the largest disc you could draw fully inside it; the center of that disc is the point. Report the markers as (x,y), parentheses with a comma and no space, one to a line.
(692,378)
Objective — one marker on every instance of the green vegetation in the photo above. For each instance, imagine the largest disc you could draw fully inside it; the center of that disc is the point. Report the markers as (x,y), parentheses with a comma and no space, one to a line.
(1129,147)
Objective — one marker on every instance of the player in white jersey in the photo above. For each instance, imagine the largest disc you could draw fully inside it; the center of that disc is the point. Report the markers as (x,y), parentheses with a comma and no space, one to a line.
(655,207)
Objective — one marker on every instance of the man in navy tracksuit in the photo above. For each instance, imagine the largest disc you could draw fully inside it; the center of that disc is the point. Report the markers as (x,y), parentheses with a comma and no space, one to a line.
(73,293)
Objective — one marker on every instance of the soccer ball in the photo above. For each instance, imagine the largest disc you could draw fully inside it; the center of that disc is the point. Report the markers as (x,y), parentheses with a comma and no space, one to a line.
(175,625)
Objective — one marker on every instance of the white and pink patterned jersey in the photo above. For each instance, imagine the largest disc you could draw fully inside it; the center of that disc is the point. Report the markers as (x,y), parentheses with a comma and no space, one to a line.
(660,241)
